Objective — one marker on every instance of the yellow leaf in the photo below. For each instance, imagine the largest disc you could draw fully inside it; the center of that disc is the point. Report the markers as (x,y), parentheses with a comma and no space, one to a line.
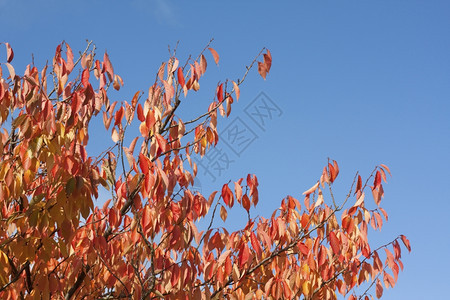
(306,288)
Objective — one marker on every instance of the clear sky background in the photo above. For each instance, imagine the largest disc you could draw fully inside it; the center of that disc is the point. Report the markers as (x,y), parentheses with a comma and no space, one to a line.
(361,82)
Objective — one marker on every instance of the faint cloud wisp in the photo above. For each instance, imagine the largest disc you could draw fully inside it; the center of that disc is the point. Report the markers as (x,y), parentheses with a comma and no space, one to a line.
(163,11)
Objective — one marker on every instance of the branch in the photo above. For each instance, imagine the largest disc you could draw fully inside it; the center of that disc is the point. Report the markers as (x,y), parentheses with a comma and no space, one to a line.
(27,263)
(78,283)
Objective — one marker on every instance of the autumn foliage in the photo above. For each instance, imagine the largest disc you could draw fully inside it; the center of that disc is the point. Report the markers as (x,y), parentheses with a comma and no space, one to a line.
(57,241)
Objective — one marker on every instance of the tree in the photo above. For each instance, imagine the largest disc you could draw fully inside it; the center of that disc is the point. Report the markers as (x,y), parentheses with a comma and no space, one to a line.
(143,242)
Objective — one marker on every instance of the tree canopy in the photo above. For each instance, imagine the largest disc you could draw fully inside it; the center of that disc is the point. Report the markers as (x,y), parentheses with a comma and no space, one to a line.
(57,241)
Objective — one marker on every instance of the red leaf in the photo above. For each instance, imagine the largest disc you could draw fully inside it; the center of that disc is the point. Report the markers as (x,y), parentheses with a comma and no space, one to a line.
(379,289)
(227,195)
(335,244)
(146,218)
(85,77)
(377,181)
(244,254)
(246,202)
(9,53)
(69,58)
(118,117)
(303,248)
(140,113)
(175,275)
(220,93)
(162,143)
(255,244)
(215,55)
(150,119)
(268,60)
(322,255)
(336,168)
(359,184)
(181,77)
(143,163)
(406,242)
(112,217)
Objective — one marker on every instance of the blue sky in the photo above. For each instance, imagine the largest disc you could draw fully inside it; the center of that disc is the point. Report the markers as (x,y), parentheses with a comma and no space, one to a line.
(361,82)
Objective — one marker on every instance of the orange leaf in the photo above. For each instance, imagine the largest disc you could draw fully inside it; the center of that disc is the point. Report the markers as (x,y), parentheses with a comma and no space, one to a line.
(203,64)
(379,219)
(312,189)
(133,144)
(9,53)
(135,99)
(108,66)
(115,135)
(238,190)
(12,72)
(268,60)
(215,55)
(118,82)
(384,213)
(262,70)
(223,256)
(223,213)
(389,258)
(386,167)
(377,194)
(236,90)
